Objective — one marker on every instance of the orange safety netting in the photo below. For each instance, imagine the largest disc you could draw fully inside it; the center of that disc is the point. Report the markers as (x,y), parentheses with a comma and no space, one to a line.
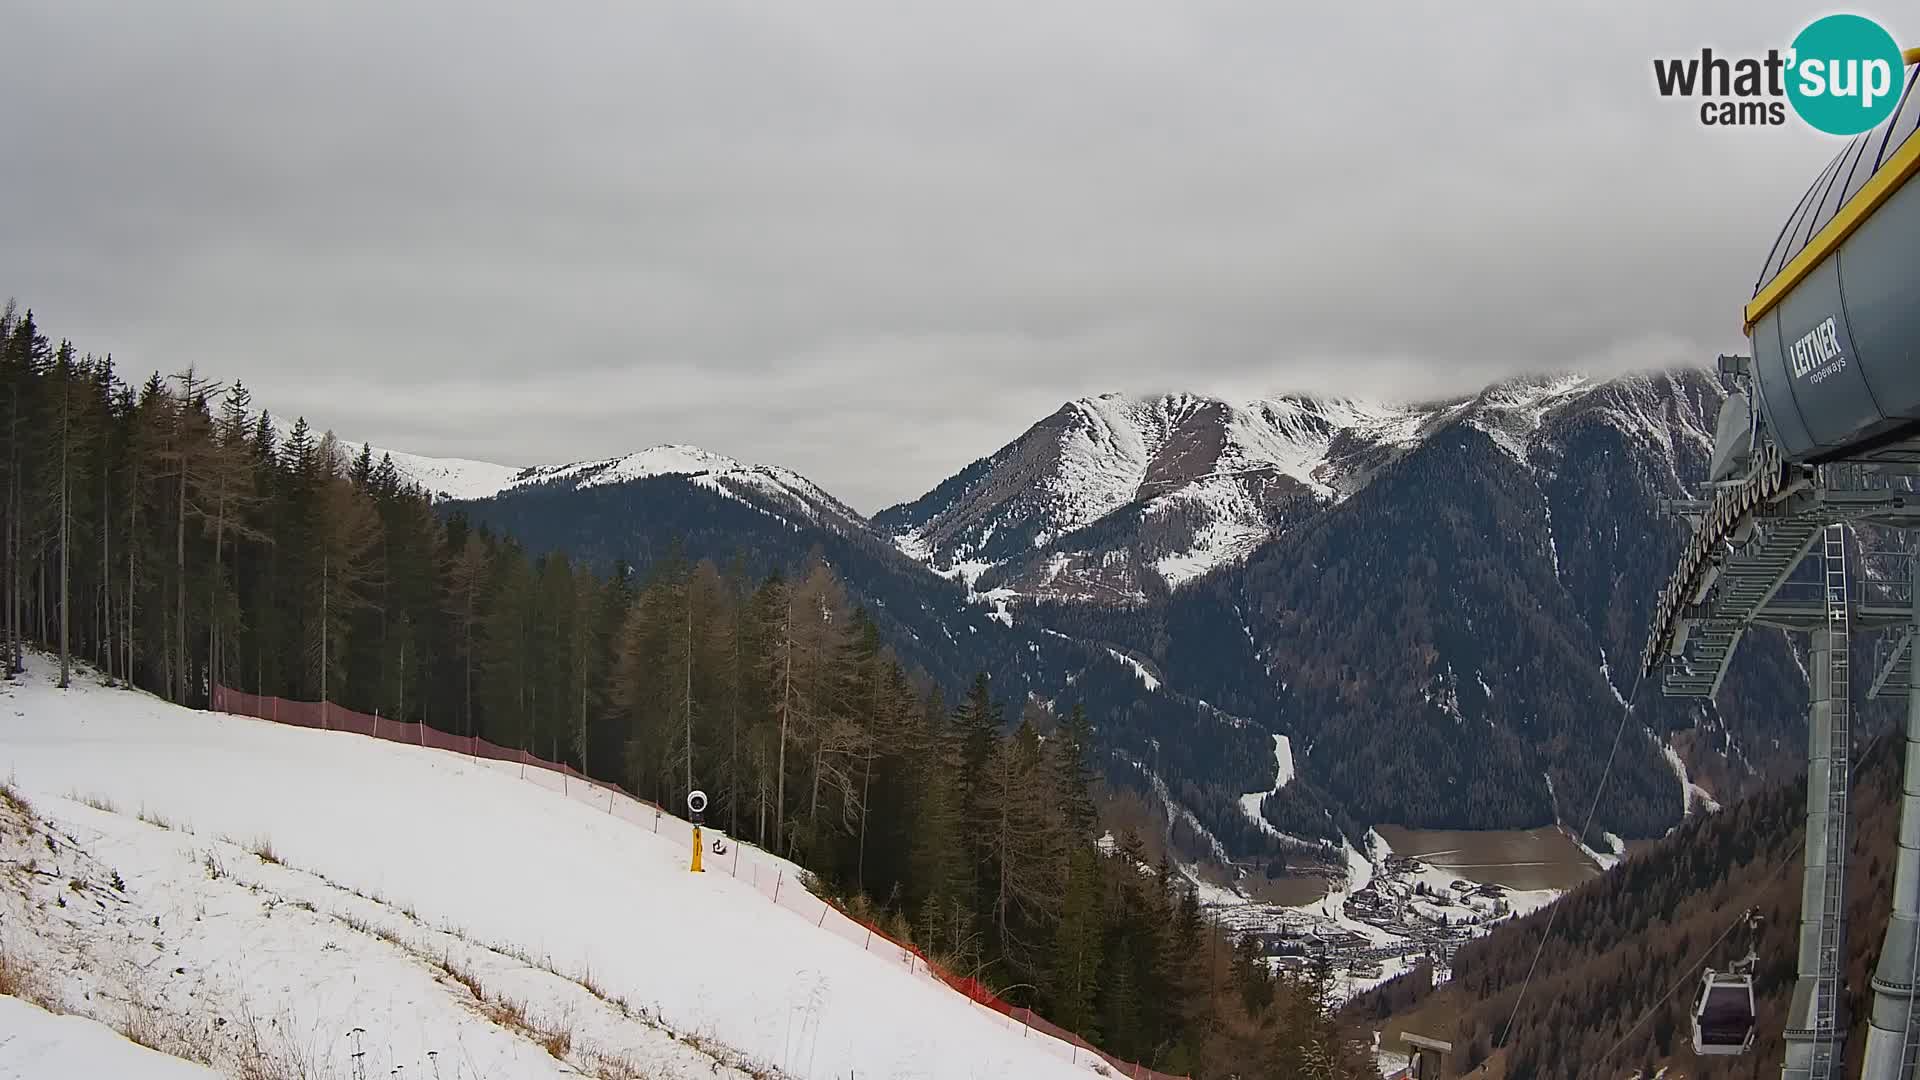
(627,806)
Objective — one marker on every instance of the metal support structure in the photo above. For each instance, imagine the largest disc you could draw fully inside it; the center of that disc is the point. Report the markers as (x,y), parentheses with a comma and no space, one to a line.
(1893,1031)
(1816,1021)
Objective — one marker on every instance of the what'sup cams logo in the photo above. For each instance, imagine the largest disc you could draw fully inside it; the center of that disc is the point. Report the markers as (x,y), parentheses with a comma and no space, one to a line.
(1842,75)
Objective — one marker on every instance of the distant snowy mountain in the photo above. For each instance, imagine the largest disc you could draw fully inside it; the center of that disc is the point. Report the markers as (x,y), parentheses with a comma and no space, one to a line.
(441,477)
(770,487)
(1365,580)
(1115,497)
(453,478)
(778,490)
(1122,498)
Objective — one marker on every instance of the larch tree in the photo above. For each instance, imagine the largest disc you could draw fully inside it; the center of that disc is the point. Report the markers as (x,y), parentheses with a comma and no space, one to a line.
(466,592)
(346,534)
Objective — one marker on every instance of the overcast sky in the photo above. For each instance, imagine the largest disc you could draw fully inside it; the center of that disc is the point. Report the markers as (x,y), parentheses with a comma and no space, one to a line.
(872,241)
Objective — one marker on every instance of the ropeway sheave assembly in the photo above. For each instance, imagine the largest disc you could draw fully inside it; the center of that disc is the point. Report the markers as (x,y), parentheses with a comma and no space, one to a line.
(1820,433)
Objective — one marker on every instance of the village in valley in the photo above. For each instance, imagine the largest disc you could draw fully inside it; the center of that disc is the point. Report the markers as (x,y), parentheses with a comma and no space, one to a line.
(1387,916)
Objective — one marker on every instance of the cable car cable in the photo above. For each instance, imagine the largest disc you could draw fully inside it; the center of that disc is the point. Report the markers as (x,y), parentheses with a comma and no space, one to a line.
(1687,973)
(1553,910)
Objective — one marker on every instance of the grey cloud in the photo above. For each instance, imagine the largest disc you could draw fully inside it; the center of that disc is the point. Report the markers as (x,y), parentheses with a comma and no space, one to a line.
(871,241)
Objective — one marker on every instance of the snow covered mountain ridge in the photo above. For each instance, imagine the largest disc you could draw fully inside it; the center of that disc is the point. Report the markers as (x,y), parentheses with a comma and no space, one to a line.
(1119,497)
(776,489)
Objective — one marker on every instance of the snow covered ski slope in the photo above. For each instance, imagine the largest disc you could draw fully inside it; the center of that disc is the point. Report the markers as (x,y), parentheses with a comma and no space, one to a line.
(400,877)
(35,1044)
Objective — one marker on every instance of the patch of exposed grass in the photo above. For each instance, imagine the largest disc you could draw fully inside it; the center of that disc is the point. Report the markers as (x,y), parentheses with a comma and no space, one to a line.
(18,978)
(262,848)
(11,798)
(98,802)
(155,1030)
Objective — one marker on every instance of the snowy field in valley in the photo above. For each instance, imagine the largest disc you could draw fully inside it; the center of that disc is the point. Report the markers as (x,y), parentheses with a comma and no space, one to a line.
(238,889)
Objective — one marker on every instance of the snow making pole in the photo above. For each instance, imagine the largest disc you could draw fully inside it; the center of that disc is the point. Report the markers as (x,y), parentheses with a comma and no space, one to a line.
(697,805)
(1893,1031)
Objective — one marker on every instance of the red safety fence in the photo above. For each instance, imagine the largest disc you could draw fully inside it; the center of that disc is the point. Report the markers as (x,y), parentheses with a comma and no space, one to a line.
(766,872)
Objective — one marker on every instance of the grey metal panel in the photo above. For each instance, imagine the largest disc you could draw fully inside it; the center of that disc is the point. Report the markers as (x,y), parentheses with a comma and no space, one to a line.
(1892,133)
(1907,120)
(1832,396)
(1732,441)
(1803,225)
(1863,158)
(1776,394)
(1792,238)
(1810,222)
(1850,167)
(1783,244)
(1880,279)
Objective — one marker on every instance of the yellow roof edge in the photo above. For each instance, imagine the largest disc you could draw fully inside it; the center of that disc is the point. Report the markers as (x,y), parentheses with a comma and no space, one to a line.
(1885,182)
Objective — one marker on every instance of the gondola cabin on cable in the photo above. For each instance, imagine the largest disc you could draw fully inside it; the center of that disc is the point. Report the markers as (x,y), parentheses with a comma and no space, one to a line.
(1723,1017)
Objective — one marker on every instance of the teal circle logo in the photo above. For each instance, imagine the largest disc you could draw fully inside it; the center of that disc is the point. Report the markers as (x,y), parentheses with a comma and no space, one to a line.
(1845,74)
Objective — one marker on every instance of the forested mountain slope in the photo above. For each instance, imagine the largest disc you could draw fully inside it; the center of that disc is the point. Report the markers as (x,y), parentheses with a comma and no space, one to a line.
(1450,644)
(1202,759)
(1625,939)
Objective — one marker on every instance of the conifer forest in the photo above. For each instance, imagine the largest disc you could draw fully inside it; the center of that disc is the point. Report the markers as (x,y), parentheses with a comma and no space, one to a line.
(162,532)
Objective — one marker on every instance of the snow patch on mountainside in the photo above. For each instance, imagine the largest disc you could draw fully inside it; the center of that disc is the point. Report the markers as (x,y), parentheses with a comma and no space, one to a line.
(1103,458)
(668,460)
(1606,672)
(452,478)
(1600,859)
(1140,669)
(1695,796)
(1295,434)
(1510,413)
(1177,811)
(1656,414)
(1220,543)
(1283,774)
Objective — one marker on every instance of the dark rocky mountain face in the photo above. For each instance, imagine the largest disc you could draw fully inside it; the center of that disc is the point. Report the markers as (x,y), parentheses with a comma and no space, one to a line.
(1440,605)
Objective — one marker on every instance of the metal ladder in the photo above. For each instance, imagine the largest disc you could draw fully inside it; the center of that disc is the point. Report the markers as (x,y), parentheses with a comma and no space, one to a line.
(1839,753)
(1910,1037)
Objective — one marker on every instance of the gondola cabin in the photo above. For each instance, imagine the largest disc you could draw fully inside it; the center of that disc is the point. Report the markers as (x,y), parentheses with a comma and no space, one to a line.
(1723,1017)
